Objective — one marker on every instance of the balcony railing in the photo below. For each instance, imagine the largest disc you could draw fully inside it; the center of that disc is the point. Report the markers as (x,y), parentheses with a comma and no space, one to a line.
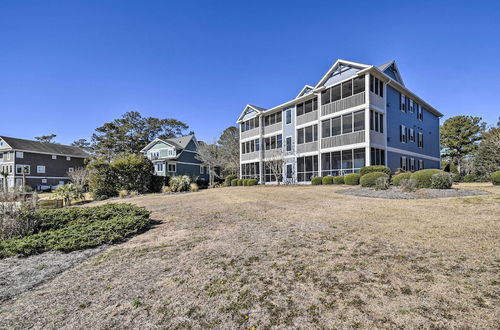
(250,133)
(343,104)
(377,100)
(307,147)
(306,118)
(249,156)
(272,128)
(342,140)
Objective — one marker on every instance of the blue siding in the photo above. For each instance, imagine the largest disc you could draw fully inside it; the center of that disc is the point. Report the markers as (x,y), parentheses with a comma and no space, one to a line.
(390,73)
(394,161)
(190,170)
(429,127)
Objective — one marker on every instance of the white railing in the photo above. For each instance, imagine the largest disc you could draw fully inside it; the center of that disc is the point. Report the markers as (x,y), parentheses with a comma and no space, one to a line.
(272,128)
(342,140)
(307,147)
(250,156)
(250,133)
(348,102)
(377,100)
(308,117)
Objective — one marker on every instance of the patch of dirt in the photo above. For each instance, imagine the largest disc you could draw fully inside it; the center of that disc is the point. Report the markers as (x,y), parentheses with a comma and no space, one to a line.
(398,193)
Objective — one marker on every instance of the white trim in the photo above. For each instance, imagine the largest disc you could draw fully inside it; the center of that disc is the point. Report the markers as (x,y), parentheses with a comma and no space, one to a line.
(255,160)
(44,177)
(152,143)
(334,66)
(186,163)
(48,153)
(303,89)
(414,154)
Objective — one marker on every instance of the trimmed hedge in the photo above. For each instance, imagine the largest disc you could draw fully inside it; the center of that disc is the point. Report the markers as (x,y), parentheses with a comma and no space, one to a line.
(327,179)
(352,179)
(375,168)
(229,179)
(396,180)
(317,180)
(470,178)
(423,177)
(79,228)
(240,182)
(234,182)
(252,182)
(495,178)
(338,180)
(441,181)
(369,180)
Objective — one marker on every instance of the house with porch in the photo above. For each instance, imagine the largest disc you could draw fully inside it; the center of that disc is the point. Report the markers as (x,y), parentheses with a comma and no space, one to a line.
(176,156)
(355,115)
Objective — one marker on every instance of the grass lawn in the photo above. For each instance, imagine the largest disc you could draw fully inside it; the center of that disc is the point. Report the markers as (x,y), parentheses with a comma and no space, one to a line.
(285,257)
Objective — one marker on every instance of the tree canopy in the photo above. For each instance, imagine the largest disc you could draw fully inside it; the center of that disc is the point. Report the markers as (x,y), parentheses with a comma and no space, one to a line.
(46,138)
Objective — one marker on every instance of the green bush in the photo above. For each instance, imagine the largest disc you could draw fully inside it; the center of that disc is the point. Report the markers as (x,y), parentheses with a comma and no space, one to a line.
(396,180)
(229,179)
(408,185)
(317,180)
(234,182)
(369,180)
(72,229)
(338,180)
(327,180)
(352,179)
(423,177)
(252,182)
(441,181)
(382,183)
(180,183)
(470,178)
(240,182)
(156,184)
(375,168)
(495,178)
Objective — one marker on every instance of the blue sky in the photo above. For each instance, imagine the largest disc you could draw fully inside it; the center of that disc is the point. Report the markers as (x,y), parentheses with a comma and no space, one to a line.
(66,67)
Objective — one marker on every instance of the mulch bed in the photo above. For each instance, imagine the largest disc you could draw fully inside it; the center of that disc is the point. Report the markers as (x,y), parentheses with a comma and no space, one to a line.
(397,193)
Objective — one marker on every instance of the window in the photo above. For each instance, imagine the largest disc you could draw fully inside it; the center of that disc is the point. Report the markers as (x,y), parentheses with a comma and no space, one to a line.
(310,105)
(346,89)
(307,134)
(325,97)
(273,142)
(335,90)
(273,118)
(23,169)
(402,103)
(44,180)
(420,140)
(159,167)
(289,143)
(19,154)
(412,135)
(376,121)
(68,158)
(359,121)
(377,156)
(376,86)
(61,183)
(288,116)
(54,156)
(336,126)
(342,162)
(250,171)
(347,123)
(250,146)
(402,134)
(257,145)
(358,84)
(307,167)
(289,171)
(250,124)
(325,128)
(202,169)
(172,167)
(420,113)
(412,164)
(411,105)
(279,141)
(40,169)
(420,164)
(71,169)
(402,163)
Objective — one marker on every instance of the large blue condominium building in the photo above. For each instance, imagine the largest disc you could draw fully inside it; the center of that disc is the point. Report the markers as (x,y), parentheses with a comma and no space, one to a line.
(356,115)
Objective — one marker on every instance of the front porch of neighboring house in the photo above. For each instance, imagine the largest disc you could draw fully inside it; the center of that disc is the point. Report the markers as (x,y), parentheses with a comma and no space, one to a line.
(165,167)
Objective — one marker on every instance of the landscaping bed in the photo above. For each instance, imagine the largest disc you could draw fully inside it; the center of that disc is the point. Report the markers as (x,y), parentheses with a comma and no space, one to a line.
(398,193)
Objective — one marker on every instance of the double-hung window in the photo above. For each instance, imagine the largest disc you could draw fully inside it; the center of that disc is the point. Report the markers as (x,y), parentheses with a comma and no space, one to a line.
(420,140)
(402,104)
(40,169)
(411,135)
(288,116)
(420,113)
(402,134)
(402,163)
(289,143)
(411,105)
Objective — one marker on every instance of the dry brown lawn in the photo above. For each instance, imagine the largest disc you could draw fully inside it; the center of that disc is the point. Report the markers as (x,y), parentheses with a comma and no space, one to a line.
(285,257)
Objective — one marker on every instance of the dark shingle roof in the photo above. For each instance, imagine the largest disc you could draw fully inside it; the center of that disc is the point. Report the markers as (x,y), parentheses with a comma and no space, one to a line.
(385,65)
(50,148)
(180,142)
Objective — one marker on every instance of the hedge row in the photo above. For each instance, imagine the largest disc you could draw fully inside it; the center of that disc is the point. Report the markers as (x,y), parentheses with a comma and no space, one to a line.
(369,179)
(243,182)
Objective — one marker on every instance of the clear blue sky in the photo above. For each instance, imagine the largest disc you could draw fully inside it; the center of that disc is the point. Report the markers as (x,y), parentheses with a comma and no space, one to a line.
(66,67)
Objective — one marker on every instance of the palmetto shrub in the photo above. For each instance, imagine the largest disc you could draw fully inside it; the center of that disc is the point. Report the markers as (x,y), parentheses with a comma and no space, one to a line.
(368,180)
(423,177)
(317,180)
(396,179)
(375,168)
(180,183)
(327,180)
(441,181)
(338,180)
(352,179)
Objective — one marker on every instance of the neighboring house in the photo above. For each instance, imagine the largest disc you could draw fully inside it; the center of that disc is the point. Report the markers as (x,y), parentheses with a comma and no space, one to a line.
(45,165)
(356,115)
(176,156)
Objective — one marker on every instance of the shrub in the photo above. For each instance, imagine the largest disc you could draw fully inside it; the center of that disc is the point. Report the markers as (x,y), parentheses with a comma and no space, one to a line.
(495,178)
(252,182)
(327,180)
(368,180)
(352,179)
(396,180)
(16,215)
(382,183)
(156,183)
(470,178)
(229,180)
(408,185)
(423,177)
(338,180)
(69,192)
(240,182)
(234,182)
(441,181)
(194,187)
(133,193)
(317,180)
(166,189)
(245,182)
(72,229)
(180,183)
(375,168)
(123,193)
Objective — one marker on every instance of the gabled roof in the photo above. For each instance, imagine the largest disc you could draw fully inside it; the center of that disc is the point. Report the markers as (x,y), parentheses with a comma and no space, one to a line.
(43,147)
(307,89)
(178,142)
(392,66)
(250,108)
(335,66)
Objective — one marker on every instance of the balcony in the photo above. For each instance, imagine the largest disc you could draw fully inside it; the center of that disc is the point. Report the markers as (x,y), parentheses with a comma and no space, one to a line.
(307,117)
(307,147)
(377,101)
(343,104)
(272,128)
(377,138)
(343,139)
(249,156)
(250,133)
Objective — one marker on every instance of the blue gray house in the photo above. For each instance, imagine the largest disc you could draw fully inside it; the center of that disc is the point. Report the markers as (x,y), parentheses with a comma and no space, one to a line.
(355,115)
(176,156)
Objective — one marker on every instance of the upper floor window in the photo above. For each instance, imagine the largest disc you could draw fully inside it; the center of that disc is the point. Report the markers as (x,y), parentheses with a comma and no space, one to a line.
(376,86)
(420,112)
(307,106)
(71,170)
(402,103)
(403,136)
(23,169)
(347,89)
(250,146)
(352,122)
(272,119)
(411,105)
(420,140)
(40,169)
(250,124)
(54,156)
(273,142)
(68,158)
(288,116)
(172,167)
(411,135)
(19,154)
(307,134)
(343,90)
(376,121)
(289,143)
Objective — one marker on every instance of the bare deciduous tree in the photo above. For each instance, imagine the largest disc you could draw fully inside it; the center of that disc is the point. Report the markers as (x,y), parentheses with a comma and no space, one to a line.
(209,155)
(80,176)
(275,162)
